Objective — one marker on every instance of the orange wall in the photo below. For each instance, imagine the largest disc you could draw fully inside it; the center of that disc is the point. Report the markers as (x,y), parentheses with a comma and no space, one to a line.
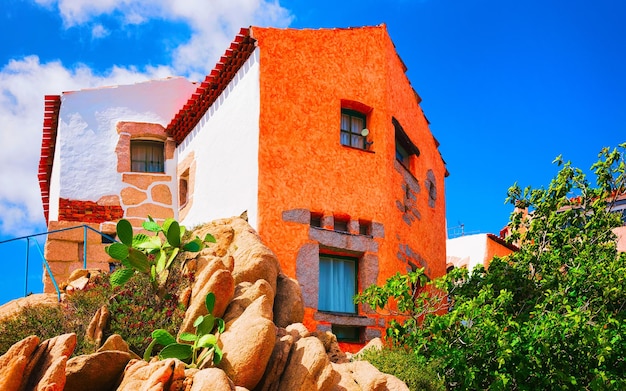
(304,76)
(495,249)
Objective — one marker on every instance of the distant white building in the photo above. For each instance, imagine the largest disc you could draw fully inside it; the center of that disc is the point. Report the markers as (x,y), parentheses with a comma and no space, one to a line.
(478,249)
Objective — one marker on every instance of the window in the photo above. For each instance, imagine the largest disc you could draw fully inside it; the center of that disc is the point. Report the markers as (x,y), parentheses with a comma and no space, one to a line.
(316,220)
(340,225)
(146,156)
(183,189)
(365,227)
(401,154)
(352,126)
(108,239)
(347,333)
(404,147)
(338,284)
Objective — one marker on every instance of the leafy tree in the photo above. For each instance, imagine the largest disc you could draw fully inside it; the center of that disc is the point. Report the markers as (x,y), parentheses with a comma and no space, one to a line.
(550,316)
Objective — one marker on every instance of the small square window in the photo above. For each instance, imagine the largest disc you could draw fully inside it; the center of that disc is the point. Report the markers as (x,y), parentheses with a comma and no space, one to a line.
(146,156)
(316,220)
(347,333)
(338,284)
(365,227)
(352,129)
(401,154)
(110,238)
(341,225)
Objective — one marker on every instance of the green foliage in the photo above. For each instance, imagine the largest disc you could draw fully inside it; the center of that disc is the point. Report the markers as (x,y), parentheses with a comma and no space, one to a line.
(150,255)
(134,313)
(42,320)
(550,316)
(46,321)
(402,364)
(202,339)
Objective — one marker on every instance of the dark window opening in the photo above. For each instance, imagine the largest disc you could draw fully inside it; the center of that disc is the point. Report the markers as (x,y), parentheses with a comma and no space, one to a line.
(365,227)
(347,333)
(353,133)
(183,189)
(110,238)
(316,220)
(341,225)
(337,284)
(401,154)
(404,146)
(147,156)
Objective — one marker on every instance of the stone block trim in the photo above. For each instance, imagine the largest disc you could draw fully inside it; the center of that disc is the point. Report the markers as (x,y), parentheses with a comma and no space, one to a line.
(302,216)
(132,196)
(344,320)
(307,273)
(161,194)
(147,195)
(62,251)
(88,211)
(410,189)
(142,180)
(157,212)
(343,241)
(412,258)
(431,185)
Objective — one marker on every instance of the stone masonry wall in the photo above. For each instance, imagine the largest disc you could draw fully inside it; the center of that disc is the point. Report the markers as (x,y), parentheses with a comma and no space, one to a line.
(64,252)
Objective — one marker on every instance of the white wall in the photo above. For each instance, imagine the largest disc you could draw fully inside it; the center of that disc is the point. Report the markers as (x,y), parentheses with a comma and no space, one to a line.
(470,250)
(225,144)
(85,163)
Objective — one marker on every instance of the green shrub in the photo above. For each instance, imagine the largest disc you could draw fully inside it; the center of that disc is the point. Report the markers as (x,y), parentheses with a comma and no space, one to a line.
(404,365)
(136,311)
(43,321)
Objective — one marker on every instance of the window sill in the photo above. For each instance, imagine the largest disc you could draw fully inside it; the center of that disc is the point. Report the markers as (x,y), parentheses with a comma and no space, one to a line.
(357,149)
(341,232)
(344,319)
(333,313)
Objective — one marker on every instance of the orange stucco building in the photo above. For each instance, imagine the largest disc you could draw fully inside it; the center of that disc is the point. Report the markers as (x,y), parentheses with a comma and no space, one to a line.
(319,135)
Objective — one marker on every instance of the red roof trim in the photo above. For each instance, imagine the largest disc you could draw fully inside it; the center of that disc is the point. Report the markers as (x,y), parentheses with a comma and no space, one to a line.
(52,105)
(214,84)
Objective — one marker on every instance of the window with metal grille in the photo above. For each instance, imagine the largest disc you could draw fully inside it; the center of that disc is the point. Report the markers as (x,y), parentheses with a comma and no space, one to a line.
(146,156)
(352,125)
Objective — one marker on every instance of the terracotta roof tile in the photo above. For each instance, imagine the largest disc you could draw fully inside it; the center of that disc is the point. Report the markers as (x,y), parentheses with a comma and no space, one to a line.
(52,105)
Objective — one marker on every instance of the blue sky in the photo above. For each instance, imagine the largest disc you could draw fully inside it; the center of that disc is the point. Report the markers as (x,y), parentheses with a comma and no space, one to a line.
(507,86)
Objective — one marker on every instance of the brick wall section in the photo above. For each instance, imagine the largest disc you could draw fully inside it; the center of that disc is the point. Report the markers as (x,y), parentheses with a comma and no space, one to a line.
(88,211)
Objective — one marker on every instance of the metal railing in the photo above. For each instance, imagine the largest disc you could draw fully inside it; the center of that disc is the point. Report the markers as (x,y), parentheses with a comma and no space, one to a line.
(31,238)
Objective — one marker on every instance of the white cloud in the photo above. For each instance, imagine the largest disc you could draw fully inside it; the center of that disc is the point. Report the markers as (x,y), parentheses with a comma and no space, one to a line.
(213,22)
(23,85)
(25,81)
(99,31)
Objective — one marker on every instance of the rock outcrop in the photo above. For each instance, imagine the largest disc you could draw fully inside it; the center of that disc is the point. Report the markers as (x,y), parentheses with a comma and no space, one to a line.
(265,346)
